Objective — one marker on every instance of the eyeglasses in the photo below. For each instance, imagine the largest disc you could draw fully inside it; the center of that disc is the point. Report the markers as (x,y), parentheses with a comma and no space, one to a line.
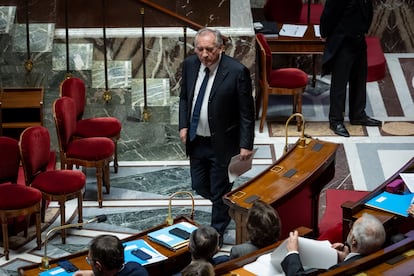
(208,49)
(89,261)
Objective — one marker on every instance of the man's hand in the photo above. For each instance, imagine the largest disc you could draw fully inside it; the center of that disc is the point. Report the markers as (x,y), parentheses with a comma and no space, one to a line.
(411,210)
(245,154)
(293,241)
(342,249)
(183,135)
(83,273)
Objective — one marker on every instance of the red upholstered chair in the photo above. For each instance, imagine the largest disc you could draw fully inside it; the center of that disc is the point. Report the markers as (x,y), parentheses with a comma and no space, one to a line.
(284,81)
(56,185)
(92,152)
(91,127)
(15,200)
(375,59)
(311,13)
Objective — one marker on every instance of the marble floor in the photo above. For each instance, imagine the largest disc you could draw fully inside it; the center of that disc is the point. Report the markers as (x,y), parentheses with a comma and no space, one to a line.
(140,191)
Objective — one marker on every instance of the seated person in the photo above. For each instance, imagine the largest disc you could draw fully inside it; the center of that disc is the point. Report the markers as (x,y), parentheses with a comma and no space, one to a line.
(263,229)
(366,236)
(204,244)
(106,257)
(198,268)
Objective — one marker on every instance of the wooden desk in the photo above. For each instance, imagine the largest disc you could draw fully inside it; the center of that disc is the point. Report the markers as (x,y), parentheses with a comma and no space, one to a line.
(393,223)
(291,185)
(20,108)
(309,44)
(176,261)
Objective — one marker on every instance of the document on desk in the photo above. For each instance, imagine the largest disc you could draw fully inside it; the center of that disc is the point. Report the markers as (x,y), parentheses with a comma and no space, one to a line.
(313,254)
(293,30)
(317,31)
(154,255)
(263,267)
(238,167)
(408,179)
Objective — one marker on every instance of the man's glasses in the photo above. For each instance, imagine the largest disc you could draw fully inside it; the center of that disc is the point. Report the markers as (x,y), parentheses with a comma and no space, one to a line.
(89,261)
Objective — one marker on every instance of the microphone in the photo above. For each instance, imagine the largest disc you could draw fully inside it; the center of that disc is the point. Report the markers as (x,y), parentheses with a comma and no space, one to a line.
(170,220)
(45,260)
(302,139)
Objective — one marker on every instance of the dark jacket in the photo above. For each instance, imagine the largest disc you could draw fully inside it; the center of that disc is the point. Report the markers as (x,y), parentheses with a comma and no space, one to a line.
(230,107)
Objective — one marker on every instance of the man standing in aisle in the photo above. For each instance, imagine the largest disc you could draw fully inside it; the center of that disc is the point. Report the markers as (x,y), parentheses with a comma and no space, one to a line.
(344,25)
(216,119)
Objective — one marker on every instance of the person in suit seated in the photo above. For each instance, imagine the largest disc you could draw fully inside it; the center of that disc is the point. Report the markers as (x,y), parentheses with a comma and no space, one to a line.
(366,236)
(106,257)
(198,268)
(263,227)
(204,244)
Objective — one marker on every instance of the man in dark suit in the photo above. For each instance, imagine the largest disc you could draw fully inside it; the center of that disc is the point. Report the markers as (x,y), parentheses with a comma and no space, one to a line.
(366,236)
(225,125)
(343,25)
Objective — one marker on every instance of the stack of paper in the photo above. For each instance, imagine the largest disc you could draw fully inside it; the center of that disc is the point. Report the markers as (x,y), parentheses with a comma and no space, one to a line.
(171,241)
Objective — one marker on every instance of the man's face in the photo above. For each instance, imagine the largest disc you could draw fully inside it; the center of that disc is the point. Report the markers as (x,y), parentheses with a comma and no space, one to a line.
(206,49)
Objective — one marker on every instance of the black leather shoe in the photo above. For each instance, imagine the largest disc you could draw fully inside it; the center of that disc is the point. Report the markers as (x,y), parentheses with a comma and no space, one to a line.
(339,129)
(367,121)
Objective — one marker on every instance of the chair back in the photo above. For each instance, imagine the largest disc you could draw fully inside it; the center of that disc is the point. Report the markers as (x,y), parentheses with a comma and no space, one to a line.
(10,159)
(283,11)
(265,58)
(75,88)
(34,151)
(64,113)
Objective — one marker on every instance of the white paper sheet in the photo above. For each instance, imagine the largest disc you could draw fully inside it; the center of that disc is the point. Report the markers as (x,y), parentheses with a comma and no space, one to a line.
(238,167)
(408,179)
(317,31)
(313,254)
(293,30)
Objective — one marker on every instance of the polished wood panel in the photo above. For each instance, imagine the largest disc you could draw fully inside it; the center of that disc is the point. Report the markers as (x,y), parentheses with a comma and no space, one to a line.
(393,223)
(176,261)
(291,185)
(308,44)
(20,108)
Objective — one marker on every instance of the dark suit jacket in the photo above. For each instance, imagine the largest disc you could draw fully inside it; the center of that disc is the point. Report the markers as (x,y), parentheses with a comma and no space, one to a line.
(230,108)
(292,265)
(340,19)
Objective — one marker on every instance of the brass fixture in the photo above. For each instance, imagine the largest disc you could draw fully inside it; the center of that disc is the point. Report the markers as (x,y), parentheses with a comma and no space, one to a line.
(170,220)
(302,139)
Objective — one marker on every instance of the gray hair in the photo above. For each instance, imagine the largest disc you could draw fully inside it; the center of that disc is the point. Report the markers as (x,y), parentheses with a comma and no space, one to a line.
(204,31)
(369,234)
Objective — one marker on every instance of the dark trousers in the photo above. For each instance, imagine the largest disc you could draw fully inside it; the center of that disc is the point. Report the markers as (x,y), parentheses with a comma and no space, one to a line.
(210,180)
(349,67)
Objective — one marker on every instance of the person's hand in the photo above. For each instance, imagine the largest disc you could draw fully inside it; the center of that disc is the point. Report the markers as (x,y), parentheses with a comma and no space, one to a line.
(183,135)
(411,210)
(342,249)
(84,273)
(245,154)
(293,241)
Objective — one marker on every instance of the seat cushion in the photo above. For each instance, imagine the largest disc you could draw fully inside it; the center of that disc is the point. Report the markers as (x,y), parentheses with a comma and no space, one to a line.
(60,181)
(98,127)
(14,196)
(288,78)
(91,149)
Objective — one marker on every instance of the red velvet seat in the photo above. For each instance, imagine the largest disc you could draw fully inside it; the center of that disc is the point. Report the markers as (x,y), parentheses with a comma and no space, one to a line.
(315,13)
(284,81)
(90,127)
(15,200)
(91,152)
(56,185)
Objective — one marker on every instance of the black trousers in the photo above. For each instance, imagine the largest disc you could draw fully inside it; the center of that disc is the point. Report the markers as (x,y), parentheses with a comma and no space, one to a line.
(349,66)
(210,180)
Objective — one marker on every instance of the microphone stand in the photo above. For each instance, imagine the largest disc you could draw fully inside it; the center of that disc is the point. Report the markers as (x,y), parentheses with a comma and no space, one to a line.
(302,139)
(45,260)
(170,220)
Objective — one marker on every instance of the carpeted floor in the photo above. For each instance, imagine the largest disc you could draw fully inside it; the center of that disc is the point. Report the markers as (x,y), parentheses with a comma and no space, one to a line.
(313,129)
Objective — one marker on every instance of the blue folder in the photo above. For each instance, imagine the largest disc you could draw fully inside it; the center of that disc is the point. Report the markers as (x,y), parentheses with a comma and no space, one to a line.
(172,242)
(393,203)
